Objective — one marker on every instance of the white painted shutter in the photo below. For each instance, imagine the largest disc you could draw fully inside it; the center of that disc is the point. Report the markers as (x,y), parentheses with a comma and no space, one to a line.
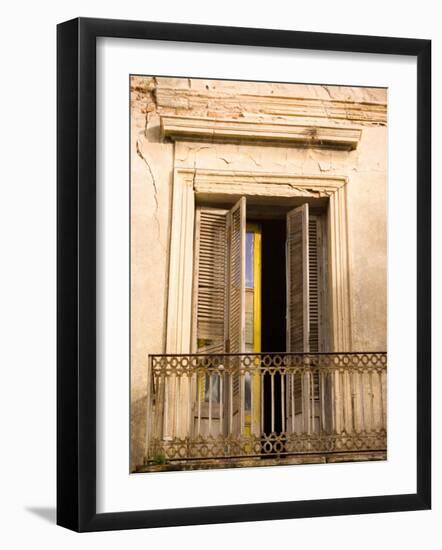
(210,283)
(297,262)
(298,340)
(314,284)
(236,309)
(237,277)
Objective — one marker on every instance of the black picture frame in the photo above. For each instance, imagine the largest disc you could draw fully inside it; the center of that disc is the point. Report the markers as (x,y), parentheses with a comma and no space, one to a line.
(77,287)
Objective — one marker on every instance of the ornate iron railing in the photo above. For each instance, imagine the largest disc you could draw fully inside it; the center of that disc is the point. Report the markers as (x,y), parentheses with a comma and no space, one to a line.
(264,405)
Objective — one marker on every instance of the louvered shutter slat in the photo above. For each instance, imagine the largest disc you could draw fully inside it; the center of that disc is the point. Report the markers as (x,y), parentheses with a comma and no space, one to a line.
(237,296)
(237,276)
(297,252)
(211,280)
(298,297)
(314,281)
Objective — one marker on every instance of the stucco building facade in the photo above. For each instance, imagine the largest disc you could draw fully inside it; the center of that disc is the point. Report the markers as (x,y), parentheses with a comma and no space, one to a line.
(203,146)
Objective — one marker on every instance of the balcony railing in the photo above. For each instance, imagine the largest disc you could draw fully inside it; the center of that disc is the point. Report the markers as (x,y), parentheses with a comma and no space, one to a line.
(264,405)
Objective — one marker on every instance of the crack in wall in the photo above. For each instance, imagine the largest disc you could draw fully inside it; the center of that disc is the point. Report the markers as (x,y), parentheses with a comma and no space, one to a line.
(252,158)
(312,192)
(191,149)
(154,185)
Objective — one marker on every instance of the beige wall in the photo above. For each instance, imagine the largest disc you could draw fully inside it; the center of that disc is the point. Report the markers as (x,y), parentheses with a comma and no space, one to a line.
(154,159)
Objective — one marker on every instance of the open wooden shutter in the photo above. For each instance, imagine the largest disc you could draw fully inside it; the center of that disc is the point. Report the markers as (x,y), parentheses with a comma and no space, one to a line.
(298,333)
(237,277)
(236,311)
(210,298)
(314,283)
(297,262)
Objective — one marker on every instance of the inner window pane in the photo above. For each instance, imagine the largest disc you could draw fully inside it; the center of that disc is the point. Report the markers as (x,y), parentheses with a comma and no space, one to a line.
(249,310)
(249,291)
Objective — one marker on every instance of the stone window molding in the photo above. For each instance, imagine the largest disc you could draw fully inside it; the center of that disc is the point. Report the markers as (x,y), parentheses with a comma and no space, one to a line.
(188,183)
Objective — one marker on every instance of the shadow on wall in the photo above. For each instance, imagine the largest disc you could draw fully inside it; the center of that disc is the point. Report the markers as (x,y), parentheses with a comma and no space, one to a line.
(47,513)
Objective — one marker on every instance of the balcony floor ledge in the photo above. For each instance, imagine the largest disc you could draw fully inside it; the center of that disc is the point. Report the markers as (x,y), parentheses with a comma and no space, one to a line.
(211,464)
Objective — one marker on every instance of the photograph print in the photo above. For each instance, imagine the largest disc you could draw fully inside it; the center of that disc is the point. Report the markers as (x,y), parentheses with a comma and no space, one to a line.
(258,261)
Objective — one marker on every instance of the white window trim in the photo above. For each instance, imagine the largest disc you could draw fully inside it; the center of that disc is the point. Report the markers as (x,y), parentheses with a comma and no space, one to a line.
(190,182)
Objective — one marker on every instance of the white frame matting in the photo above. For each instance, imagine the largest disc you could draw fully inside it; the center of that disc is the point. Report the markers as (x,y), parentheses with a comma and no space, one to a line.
(116,489)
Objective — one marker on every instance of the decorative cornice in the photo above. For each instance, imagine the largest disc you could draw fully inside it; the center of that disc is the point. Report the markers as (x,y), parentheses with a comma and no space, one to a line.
(197,103)
(214,129)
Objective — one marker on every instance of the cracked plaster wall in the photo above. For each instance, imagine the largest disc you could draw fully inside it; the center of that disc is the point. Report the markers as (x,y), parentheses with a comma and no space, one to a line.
(152,165)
